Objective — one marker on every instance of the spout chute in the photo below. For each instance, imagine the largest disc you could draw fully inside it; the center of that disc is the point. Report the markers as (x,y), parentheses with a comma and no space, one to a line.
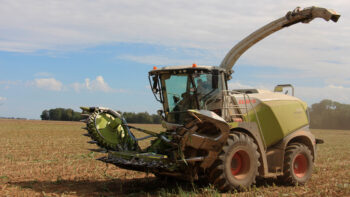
(292,17)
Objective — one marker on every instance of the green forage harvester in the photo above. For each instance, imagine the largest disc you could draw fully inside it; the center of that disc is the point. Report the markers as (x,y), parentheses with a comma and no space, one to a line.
(229,137)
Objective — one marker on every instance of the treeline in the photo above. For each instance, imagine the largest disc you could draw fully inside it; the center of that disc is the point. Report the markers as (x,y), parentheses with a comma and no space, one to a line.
(142,117)
(61,114)
(70,115)
(326,114)
(329,114)
(13,118)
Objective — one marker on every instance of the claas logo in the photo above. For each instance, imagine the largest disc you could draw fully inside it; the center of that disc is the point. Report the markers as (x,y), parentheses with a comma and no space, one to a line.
(246,101)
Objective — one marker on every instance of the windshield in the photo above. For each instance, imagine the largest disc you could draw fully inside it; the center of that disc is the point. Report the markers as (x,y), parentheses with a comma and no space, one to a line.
(179,93)
(204,87)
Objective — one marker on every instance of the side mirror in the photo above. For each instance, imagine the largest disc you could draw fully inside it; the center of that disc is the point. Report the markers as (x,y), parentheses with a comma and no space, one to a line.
(155,84)
(160,113)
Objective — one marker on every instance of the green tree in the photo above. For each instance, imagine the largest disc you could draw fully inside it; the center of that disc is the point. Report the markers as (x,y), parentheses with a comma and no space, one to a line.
(76,116)
(71,115)
(61,114)
(45,115)
(329,114)
(67,114)
(55,114)
(156,119)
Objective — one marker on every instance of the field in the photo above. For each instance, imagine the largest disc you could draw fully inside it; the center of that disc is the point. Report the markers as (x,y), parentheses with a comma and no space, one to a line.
(51,158)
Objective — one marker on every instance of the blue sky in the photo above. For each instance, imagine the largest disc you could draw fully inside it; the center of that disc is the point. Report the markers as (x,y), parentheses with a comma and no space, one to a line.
(98,53)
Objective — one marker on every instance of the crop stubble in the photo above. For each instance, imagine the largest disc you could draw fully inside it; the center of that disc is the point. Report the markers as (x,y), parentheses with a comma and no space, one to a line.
(51,158)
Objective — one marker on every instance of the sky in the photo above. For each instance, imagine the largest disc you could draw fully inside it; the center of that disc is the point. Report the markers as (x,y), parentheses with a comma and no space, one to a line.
(58,53)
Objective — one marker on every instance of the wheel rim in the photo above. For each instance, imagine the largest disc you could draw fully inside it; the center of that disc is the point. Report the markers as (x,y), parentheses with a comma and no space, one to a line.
(300,165)
(240,164)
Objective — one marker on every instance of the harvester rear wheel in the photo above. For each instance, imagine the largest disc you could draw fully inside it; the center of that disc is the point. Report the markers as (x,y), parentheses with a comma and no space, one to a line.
(237,164)
(298,164)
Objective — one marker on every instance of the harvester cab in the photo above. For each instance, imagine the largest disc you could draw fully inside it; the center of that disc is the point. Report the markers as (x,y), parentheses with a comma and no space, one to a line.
(181,88)
(229,137)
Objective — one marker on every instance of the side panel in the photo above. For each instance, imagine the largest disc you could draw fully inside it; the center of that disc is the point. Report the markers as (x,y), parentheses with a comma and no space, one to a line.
(270,127)
(278,118)
(291,115)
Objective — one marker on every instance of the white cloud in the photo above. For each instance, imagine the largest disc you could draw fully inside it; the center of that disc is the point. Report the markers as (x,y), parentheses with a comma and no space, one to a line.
(306,93)
(318,50)
(97,84)
(315,94)
(238,85)
(335,87)
(172,56)
(155,60)
(200,24)
(78,86)
(10,83)
(3,98)
(335,81)
(52,84)
(48,84)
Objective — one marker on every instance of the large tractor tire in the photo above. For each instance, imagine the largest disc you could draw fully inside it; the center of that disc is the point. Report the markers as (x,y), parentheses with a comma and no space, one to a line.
(298,164)
(237,164)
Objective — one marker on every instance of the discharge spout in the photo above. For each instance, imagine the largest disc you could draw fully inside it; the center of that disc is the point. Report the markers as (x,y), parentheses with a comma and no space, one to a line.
(292,17)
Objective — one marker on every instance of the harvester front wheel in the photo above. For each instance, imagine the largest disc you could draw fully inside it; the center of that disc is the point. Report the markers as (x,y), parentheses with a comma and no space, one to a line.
(237,165)
(298,164)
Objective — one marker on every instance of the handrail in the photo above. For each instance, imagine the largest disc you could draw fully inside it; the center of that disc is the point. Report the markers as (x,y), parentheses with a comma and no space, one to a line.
(246,111)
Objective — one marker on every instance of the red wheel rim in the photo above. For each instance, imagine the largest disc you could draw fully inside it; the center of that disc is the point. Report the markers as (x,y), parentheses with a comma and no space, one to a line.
(300,165)
(236,164)
(240,164)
